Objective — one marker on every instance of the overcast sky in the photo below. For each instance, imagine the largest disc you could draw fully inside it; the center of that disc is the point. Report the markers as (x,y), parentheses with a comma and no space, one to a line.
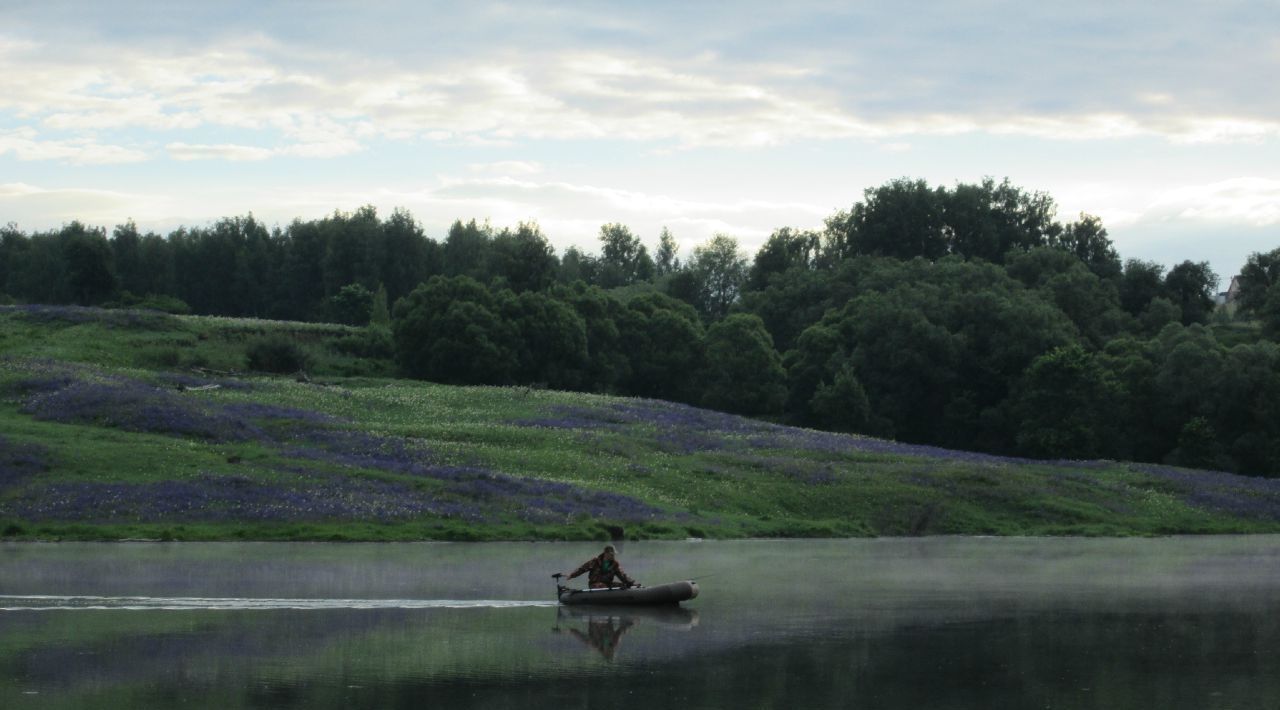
(737,117)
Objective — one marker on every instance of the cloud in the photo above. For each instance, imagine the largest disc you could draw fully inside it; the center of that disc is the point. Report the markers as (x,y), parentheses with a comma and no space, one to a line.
(36,207)
(26,144)
(225,151)
(1242,201)
(830,73)
(506,167)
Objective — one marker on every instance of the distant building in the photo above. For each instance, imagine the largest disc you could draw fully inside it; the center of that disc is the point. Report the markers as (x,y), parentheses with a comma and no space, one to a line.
(1231,294)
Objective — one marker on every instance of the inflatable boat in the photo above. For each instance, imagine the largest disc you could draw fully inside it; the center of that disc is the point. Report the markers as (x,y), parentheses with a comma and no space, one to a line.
(670,593)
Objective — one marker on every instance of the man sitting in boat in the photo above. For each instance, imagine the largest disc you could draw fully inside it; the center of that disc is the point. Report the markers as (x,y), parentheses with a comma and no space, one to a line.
(602,569)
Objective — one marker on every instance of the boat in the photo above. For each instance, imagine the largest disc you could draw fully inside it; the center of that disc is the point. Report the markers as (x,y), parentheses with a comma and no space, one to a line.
(670,593)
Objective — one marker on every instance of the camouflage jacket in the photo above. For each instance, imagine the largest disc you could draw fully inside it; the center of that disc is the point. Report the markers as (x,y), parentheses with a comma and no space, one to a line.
(601,572)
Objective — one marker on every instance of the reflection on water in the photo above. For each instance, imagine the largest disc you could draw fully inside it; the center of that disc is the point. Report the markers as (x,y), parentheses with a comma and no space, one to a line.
(602,628)
(934,623)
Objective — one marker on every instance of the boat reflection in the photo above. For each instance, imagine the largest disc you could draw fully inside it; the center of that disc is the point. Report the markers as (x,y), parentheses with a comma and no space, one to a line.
(602,628)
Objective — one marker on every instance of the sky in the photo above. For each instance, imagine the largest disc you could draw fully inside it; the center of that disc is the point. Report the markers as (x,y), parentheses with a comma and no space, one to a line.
(1163,119)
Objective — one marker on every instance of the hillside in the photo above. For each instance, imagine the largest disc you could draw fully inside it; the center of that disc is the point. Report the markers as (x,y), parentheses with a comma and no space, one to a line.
(128,424)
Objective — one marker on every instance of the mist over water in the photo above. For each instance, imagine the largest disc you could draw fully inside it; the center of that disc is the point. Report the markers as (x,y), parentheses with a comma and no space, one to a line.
(932,622)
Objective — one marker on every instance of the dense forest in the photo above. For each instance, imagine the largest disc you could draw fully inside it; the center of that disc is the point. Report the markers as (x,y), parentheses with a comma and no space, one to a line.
(965,317)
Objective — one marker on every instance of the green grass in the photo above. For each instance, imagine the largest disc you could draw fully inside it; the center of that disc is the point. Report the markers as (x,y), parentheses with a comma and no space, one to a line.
(734,486)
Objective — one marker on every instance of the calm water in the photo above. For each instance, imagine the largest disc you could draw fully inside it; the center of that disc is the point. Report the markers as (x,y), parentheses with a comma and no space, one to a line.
(924,623)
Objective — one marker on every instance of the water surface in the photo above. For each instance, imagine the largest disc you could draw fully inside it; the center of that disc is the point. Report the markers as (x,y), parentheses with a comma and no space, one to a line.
(921,623)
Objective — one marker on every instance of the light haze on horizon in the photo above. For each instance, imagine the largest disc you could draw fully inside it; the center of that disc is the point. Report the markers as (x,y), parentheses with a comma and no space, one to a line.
(741,118)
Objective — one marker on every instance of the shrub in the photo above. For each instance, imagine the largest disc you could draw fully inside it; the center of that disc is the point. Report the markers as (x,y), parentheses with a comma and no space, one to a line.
(371,342)
(276,353)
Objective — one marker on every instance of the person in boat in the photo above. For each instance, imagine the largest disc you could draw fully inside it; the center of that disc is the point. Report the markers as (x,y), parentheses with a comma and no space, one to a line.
(603,569)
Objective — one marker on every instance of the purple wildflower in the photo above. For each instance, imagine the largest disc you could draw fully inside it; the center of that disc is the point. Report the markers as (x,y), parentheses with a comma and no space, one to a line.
(218,498)
(134,406)
(1242,496)
(18,462)
(75,315)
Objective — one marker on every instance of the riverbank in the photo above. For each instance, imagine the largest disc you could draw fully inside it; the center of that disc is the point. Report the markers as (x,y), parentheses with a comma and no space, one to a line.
(103,439)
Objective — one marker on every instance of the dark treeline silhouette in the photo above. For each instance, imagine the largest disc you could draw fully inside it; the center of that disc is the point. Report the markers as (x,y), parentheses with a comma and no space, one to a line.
(966,317)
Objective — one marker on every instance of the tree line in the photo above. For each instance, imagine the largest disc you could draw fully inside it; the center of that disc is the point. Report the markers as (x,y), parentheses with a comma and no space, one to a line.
(966,317)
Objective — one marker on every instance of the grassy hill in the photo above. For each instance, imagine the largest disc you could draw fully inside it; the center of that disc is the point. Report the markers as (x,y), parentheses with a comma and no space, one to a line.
(123,424)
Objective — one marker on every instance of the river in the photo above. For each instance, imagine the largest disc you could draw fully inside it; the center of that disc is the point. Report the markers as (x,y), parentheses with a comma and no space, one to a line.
(1187,622)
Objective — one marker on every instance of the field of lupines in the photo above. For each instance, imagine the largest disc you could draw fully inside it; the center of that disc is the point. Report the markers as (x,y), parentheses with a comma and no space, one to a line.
(119,424)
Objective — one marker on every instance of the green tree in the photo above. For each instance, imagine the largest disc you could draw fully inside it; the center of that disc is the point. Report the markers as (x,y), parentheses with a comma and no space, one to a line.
(91,276)
(466,250)
(623,259)
(38,272)
(408,256)
(1269,314)
(1131,364)
(351,305)
(380,313)
(842,403)
(447,330)
(354,249)
(792,301)
(785,249)
(1160,312)
(1192,286)
(1249,408)
(1188,380)
(126,254)
(577,266)
(989,220)
(743,372)
(552,340)
(523,259)
(1064,406)
(1091,303)
(1140,282)
(302,271)
(1087,240)
(718,270)
(665,259)
(607,365)
(902,219)
(13,245)
(663,341)
(1260,273)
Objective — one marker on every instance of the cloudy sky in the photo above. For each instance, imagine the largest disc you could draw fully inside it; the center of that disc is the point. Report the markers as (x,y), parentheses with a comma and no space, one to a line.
(704,117)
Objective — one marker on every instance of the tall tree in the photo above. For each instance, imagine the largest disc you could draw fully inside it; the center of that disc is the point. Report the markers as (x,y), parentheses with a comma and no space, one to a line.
(449,330)
(523,259)
(1065,406)
(466,250)
(665,259)
(902,218)
(1141,282)
(785,249)
(988,220)
(663,341)
(409,257)
(90,274)
(718,269)
(552,347)
(1087,239)
(13,244)
(623,259)
(1260,273)
(1192,286)
(743,372)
